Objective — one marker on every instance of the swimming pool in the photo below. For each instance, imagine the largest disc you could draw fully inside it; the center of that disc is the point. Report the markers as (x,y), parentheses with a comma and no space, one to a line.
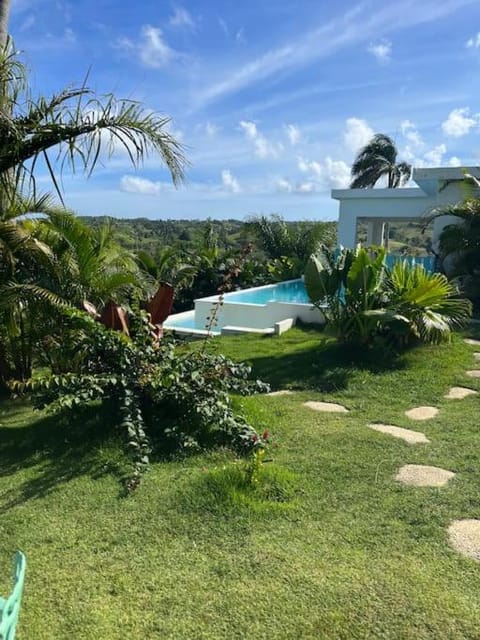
(257,309)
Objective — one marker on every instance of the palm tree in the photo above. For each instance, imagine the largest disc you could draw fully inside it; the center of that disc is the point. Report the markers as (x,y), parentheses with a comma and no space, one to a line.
(376,159)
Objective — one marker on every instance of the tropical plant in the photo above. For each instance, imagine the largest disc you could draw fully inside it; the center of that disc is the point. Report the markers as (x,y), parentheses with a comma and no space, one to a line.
(376,159)
(364,301)
(459,244)
(179,397)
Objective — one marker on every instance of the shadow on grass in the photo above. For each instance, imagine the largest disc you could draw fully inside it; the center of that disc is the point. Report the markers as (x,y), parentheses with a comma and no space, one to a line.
(327,366)
(61,447)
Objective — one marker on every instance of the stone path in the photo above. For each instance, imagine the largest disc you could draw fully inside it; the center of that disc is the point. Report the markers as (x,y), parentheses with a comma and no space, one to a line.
(464,537)
(459,393)
(420,475)
(412,437)
(331,407)
(473,373)
(281,392)
(422,413)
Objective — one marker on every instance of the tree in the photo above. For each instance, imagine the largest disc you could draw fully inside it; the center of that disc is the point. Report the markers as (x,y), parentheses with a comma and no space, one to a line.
(376,159)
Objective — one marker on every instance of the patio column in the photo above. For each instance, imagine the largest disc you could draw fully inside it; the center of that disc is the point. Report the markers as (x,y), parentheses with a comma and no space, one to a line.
(375,232)
(347,229)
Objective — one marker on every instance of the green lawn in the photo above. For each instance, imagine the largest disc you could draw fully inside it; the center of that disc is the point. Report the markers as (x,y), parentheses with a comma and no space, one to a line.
(328,546)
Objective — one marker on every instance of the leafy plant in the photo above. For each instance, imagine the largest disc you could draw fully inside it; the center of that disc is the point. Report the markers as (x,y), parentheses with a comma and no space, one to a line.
(158,390)
(363,300)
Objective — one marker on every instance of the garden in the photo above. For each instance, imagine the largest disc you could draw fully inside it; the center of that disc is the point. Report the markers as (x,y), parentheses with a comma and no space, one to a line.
(314,484)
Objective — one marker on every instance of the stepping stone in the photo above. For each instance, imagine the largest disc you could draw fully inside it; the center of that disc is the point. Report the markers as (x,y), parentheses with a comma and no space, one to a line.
(465,537)
(474,373)
(412,437)
(326,406)
(420,475)
(475,343)
(476,355)
(281,392)
(422,413)
(458,393)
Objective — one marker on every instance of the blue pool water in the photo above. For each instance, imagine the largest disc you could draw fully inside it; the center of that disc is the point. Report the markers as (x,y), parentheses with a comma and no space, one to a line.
(291,291)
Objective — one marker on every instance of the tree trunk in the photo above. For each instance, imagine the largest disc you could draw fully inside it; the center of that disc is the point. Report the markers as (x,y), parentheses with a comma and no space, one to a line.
(4,13)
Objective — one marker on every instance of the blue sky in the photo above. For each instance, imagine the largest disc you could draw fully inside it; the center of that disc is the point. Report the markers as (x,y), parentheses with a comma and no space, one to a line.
(271,98)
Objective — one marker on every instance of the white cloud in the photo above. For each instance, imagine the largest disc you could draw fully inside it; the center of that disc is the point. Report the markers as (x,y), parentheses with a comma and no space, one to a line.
(293,133)
(382,50)
(336,173)
(459,122)
(332,174)
(409,131)
(240,36)
(357,134)
(263,148)
(305,187)
(474,43)
(181,18)
(229,182)
(454,162)
(211,129)
(434,157)
(135,184)
(284,185)
(28,22)
(152,49)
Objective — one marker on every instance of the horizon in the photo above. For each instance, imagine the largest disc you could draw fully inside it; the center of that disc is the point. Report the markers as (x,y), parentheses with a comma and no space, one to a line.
(271,119)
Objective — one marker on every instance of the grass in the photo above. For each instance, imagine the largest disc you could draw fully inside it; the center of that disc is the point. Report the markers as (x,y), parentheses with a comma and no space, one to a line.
(326,546)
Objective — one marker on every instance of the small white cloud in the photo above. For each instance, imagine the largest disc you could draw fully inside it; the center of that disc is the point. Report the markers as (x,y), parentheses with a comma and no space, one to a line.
(454,162)
(224,27)
(28,22)
(309,166)
(305,187)
(230,183)
(382,50)
(284,185)
(474,42)
(263,148)
(459,122)
(152,49)
(211,129)
(409,131)
(293,133)
(135,184)
(240,36)
(434,157)
(336,173)
(181,18)
(357,134)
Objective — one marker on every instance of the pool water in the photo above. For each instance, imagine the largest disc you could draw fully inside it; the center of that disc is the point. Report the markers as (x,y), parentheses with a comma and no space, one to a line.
(291,291)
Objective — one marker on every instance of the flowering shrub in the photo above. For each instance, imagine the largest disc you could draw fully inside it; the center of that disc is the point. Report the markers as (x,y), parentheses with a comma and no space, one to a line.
(157,388)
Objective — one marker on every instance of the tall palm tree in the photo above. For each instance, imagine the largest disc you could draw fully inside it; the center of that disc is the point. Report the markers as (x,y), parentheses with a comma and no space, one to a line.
(376,159)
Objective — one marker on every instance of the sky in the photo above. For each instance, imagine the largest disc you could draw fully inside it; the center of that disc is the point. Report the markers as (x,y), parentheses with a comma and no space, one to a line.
(272,99)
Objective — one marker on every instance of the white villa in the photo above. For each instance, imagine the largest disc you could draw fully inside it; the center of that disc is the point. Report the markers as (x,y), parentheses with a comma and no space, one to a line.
(378,207)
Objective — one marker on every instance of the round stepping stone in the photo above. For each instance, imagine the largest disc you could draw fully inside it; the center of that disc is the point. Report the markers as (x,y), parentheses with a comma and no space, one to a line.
(412,437)
(326,406)
(471,341)
(422,413)
(420,475)
(281,392)
(474,373)
(458,393)
(465,537)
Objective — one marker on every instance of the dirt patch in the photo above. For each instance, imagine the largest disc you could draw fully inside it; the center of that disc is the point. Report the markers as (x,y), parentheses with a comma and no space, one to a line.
(422,413)
(458,393)
(326,407)
(465,537)
(412,437)
(420,475)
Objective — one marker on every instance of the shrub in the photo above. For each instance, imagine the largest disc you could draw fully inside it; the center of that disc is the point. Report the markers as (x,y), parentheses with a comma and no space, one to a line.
(160,389)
